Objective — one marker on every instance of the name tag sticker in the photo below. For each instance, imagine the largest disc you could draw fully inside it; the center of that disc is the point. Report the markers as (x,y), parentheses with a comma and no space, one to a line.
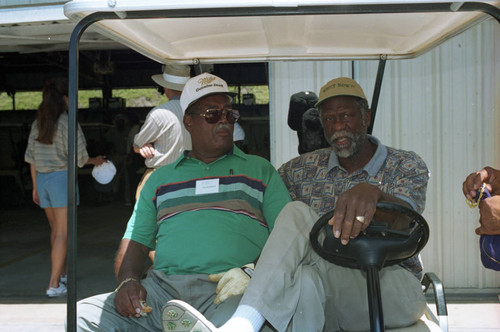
(209,186)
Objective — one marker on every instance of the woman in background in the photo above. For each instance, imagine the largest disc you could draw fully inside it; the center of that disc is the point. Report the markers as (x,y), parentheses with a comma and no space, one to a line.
(47,154)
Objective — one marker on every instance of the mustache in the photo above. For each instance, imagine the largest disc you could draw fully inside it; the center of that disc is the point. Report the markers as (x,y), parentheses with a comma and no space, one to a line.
(343,133)
(222,126)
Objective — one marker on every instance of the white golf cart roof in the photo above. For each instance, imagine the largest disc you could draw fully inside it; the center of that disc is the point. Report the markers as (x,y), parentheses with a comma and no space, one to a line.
(264,30)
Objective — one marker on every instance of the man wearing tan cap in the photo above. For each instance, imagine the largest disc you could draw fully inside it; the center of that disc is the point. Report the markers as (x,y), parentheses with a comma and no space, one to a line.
(292,287)
(162,138)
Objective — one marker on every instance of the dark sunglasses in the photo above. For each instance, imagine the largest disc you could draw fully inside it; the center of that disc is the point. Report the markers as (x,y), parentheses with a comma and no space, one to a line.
(213,115)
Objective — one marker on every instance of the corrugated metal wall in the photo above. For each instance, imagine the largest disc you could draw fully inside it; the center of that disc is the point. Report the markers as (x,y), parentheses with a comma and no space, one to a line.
(444,105)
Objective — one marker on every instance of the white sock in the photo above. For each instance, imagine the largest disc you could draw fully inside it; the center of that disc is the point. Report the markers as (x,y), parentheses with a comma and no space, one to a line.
(244,319)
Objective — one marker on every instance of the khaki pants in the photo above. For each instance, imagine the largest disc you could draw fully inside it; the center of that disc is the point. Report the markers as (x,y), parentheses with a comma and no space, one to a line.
(98,313)
(294,288)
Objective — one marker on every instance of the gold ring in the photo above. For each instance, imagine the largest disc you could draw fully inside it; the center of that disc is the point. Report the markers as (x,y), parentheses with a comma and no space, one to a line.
(361,219)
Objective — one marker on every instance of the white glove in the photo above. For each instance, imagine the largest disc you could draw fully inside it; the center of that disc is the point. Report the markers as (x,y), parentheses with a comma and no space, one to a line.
(232,282)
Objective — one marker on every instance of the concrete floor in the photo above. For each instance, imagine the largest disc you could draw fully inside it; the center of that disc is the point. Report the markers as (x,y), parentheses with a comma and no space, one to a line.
(25,251)
(25,261)
(25,268)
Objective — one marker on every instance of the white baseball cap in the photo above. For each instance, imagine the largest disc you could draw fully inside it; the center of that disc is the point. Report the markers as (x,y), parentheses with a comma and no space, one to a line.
(200,86)
(104,173)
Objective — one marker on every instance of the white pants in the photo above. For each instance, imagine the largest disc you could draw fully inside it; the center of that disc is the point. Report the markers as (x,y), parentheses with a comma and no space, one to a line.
(294,288)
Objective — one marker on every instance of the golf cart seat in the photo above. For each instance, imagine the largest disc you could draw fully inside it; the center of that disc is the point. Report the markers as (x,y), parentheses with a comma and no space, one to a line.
(381,245)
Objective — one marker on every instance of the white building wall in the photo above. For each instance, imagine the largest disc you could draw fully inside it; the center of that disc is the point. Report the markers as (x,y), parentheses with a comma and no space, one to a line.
(444,105)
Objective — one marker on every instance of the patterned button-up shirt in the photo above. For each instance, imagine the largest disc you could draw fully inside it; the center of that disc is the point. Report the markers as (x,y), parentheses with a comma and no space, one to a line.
(317,179)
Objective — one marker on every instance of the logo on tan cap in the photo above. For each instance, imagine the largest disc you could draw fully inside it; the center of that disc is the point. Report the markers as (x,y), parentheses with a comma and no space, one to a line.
(342,86)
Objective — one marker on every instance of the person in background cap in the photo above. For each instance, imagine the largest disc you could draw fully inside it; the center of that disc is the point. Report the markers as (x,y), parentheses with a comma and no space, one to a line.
(207,216)
(292,287)
(162,138)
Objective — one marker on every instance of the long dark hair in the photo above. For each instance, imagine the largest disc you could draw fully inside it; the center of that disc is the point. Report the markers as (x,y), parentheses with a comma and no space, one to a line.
(51,107)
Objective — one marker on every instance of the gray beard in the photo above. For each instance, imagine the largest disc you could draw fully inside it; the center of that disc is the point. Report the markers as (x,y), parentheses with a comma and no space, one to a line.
(353,149)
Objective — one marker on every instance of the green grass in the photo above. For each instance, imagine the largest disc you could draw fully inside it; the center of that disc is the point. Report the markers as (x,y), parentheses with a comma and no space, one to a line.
(133,97)
(23,101)
(261,92)
(141,97)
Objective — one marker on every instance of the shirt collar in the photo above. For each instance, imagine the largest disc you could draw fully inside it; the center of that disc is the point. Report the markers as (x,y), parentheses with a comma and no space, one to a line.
(373,166)
(233,152)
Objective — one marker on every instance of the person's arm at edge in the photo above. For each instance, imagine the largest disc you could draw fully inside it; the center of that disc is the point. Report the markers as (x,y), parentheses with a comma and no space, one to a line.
(489,211)
(473,182)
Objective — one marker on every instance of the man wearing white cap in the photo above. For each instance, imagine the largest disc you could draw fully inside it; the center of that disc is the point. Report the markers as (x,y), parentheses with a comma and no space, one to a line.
(207,216)
(162,137)
(292,287)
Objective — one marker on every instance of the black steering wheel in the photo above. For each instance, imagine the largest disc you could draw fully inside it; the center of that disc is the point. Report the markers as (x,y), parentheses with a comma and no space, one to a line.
(395,234)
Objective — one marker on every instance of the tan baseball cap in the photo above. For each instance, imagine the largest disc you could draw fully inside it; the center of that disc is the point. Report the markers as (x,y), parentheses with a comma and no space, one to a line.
(203,85)
(174,76)
(342,86)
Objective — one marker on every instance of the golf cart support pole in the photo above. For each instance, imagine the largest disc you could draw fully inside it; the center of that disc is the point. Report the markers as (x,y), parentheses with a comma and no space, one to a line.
(72,168)
(206,12)
(376,91)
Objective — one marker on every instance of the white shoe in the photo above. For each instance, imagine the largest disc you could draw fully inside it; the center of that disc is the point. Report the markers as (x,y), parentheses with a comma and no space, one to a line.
(64,279)
(55,292)
(178,316)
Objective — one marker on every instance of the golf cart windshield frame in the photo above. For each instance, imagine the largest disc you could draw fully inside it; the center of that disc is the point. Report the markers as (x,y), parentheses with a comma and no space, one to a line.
(203,13)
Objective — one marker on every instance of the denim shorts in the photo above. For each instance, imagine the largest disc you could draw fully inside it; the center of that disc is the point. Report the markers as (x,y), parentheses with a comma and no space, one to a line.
(52,189)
